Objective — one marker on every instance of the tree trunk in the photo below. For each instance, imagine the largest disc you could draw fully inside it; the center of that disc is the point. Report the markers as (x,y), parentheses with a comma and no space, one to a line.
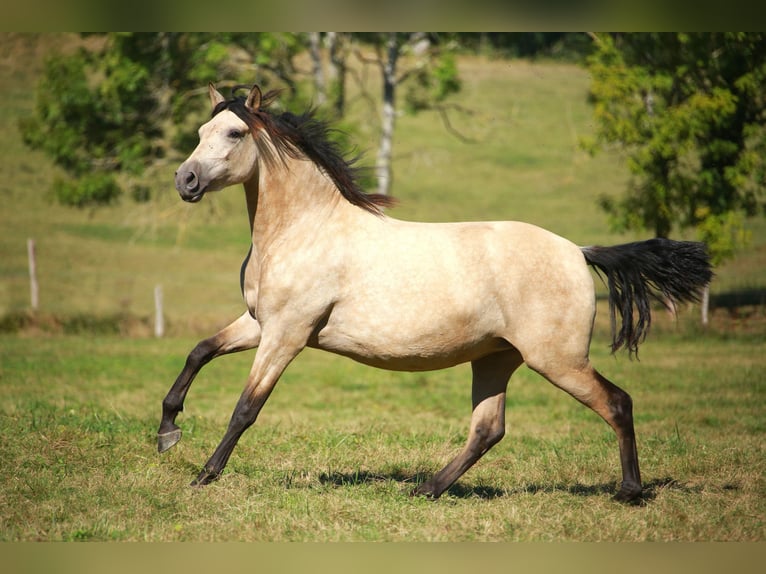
(337,71)
(316,68)
(383,165)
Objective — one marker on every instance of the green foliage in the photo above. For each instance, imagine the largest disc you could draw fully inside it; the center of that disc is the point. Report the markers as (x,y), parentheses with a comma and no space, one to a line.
(275,51)
(688,112)
(571,46)
(724,234)
(90,190)
(108,114)
(446,77)
(64,114)
(432,82)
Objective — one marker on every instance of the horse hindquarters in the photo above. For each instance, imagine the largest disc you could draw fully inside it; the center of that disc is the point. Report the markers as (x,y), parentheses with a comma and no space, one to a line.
(552,330)
(677,270)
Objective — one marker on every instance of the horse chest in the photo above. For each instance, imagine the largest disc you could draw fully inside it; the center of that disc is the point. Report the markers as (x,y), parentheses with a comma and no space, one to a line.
(249,283)
(283,286)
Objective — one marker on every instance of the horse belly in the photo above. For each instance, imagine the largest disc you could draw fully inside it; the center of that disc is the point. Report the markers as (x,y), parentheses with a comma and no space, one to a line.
(428,340)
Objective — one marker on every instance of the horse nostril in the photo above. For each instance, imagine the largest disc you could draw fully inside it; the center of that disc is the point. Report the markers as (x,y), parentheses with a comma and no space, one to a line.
(191,181)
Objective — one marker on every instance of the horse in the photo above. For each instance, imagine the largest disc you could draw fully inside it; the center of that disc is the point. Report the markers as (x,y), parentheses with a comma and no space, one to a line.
(328,269)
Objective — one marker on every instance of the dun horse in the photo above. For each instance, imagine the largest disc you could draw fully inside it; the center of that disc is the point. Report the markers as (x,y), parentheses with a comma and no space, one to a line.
(327,269)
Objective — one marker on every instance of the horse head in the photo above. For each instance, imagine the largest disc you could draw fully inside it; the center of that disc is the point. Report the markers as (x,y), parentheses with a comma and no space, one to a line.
(225,154)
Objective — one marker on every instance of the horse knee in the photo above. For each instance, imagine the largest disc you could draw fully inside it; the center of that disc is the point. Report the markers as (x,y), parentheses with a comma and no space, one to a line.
(200,355)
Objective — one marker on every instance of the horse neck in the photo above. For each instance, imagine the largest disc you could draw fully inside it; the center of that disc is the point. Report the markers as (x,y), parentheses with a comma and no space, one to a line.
(293,197)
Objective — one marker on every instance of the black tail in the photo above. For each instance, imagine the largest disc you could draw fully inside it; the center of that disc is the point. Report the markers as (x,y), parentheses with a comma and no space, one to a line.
(675,270)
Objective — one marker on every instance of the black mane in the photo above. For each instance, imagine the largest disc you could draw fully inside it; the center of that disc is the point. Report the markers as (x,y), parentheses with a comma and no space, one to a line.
(303,137)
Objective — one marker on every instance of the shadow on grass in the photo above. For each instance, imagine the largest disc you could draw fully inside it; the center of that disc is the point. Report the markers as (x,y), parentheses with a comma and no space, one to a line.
(650,491)
(459,490)
(366,477)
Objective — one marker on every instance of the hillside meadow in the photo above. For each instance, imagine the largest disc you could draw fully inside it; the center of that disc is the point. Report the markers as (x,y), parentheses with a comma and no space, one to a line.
(339,445)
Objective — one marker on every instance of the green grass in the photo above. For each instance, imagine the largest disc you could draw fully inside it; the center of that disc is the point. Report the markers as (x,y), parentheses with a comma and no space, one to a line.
(338,447)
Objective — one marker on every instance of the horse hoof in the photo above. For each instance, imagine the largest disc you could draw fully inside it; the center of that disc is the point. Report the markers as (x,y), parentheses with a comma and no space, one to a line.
(205,477)
(168,439)
(424,490)
(630,495)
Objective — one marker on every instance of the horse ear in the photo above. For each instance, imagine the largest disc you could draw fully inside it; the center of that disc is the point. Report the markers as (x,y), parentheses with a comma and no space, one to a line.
(254,98)
(215,96)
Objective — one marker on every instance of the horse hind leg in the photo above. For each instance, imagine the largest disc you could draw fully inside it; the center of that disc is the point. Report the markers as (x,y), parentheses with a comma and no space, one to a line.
(612,404)
(243,334)
(490,380)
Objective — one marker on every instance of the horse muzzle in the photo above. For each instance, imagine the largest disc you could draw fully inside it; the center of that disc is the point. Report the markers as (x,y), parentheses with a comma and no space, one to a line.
(188,182)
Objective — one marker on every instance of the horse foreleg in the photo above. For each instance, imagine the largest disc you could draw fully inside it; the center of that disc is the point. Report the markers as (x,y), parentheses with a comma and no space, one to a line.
(242,334)
(490,380)
(270,361)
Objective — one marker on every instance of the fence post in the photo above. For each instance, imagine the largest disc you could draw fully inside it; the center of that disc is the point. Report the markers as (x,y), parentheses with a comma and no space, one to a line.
(34,291)
(705,305)
(159,320)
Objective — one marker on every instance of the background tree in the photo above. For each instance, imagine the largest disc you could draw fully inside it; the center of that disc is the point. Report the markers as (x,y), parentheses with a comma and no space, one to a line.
(317,70)
(688,111)
(431,73)
(331,85)
(108,114)
(112,114)
(338,44)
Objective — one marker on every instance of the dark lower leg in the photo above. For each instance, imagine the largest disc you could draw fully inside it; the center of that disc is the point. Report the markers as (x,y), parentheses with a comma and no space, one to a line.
(242,334)
(621,406)
(169,433)
(618,412)
(243,417)
(616,407)
(490,379)
(267,368)
(478,444)
(630,489)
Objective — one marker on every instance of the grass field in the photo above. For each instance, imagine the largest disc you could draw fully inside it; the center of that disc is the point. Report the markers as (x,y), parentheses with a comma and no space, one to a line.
(339,445)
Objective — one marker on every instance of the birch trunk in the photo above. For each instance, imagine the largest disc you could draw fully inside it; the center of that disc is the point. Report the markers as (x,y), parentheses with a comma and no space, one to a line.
(316,68)
(383,165)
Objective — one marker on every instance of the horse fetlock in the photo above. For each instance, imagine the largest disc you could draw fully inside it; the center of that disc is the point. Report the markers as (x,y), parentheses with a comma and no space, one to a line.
(630,494)
(427,490)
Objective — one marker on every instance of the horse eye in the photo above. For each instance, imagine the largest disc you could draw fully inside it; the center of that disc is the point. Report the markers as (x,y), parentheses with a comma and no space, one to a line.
(236,134)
